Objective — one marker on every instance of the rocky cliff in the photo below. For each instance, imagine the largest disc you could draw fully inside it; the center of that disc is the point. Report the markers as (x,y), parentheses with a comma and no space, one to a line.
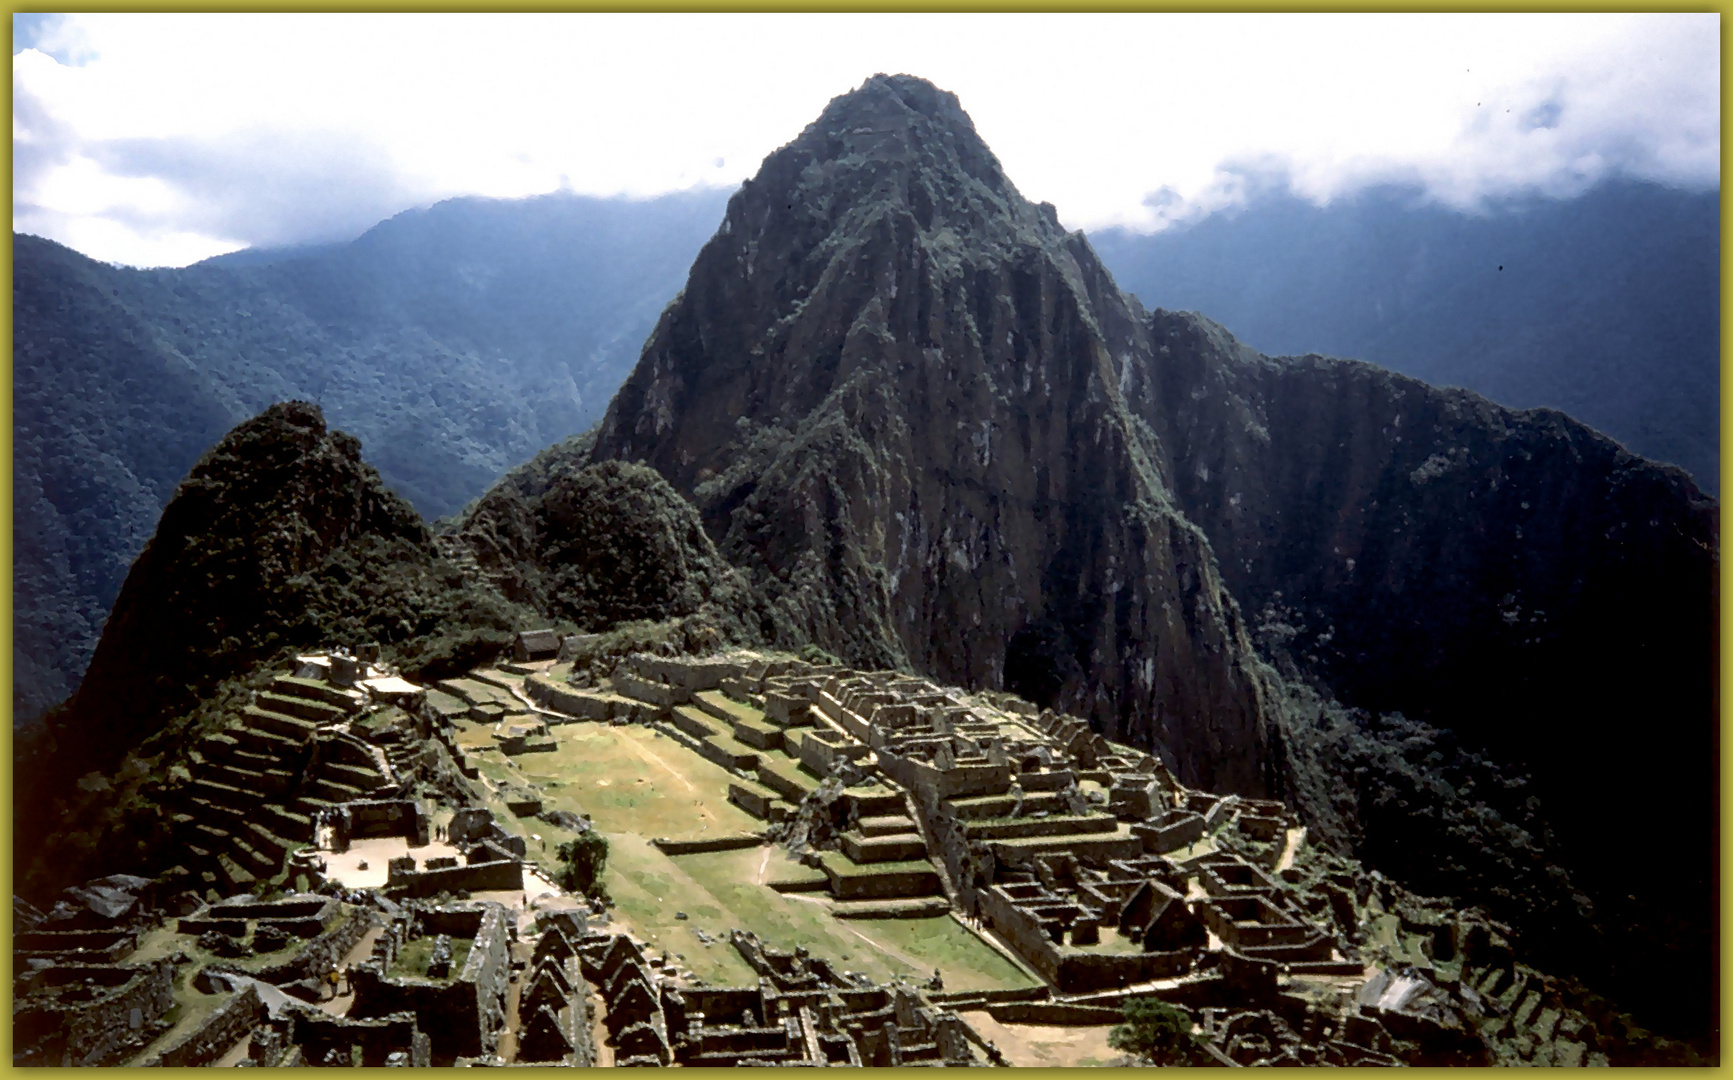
(925,421)
(893,388)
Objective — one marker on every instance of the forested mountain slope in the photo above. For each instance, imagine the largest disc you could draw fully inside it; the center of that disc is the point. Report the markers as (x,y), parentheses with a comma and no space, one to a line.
(454,341)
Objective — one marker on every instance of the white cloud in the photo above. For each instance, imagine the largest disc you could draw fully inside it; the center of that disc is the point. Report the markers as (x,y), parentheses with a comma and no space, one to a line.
(142,137)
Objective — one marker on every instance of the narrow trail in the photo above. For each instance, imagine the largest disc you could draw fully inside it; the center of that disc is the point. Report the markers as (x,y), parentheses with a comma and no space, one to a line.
(650,756)
(1295,838)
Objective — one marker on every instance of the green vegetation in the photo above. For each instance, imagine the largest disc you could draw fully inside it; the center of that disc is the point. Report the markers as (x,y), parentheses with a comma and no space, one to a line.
(412,959)
(281,539)
(630,780)
(605,544)
(1158,1032)
(581,864)
(455,342)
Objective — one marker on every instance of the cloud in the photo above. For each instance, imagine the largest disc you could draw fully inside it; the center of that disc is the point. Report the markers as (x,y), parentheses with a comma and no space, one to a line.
(185,130)
(273,188)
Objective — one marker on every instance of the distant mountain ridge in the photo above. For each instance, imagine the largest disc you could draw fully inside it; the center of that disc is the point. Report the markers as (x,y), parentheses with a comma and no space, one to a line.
(455,341)
(458,340)
(1606,306)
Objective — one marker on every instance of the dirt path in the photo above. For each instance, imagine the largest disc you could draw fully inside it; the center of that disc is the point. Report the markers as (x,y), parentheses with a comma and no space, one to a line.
(1295,838)
(650,756)
(764,865)
(918,965)
(1000,945)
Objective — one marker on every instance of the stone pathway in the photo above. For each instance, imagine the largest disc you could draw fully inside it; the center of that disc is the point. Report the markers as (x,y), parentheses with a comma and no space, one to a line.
(1295,838)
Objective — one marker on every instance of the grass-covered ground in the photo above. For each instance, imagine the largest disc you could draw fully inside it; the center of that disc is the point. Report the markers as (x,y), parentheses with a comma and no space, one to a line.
(629,779)
(413,957)
(636,786)
(730,885)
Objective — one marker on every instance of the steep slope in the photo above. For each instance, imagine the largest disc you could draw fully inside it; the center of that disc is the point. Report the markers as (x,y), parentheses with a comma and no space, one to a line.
(892,387)
(1514,577)
(258,551)
(1606,305)
(281,538)
(456,341)
(604,545)
(935,433)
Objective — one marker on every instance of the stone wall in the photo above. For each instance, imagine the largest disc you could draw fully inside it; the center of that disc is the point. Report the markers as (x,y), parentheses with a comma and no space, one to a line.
(1056,1013)
(206,1043)
(317,956)
(1180,831)
(88,1032)
(882,886)
(75,946)
(387,817)
(956,782)
(236,927)
(732,842)
(580,704)
(655,693)
(1073,970)
(318,1035)
(476,877)
(464,1014)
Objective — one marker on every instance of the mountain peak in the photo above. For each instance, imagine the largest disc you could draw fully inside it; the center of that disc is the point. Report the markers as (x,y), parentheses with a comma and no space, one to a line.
(897,142)
(894,388)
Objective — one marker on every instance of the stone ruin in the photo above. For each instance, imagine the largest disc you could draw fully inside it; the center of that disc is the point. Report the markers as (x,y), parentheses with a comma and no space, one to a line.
(802,1012)
(1088,860)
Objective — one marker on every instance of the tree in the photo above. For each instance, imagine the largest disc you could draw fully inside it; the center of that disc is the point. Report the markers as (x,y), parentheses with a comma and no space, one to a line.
(581,863)
(1158,1031)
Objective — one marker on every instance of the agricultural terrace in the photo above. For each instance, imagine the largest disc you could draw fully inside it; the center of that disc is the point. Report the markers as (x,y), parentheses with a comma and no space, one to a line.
(635,784)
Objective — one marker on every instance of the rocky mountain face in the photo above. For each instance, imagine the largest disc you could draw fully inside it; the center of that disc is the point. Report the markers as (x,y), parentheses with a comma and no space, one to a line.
(894,389)
(455,341)
(1606,305)
(935,433)
(1514,577)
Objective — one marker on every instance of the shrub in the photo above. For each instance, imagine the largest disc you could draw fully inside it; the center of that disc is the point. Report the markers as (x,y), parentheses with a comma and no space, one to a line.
(582,862)
(1158,1031)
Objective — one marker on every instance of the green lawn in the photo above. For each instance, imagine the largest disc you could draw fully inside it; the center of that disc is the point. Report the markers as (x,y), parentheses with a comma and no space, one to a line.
(631,781)
(733,708)
(881,948)
(636,786)
(413,957)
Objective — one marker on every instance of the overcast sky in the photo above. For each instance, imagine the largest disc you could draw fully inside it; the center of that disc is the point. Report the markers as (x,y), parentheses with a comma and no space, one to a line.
(163,139)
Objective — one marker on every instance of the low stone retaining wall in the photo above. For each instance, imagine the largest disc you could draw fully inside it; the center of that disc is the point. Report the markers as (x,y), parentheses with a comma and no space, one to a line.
(714,843)
(500,874)
(1057,1013)
(301,928)
(582,704)
(962,998)
(222,1029)
(318,956)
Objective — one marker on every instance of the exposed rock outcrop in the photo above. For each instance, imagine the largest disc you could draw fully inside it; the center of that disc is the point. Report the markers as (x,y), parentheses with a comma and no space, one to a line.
(933,431)
(892,386)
